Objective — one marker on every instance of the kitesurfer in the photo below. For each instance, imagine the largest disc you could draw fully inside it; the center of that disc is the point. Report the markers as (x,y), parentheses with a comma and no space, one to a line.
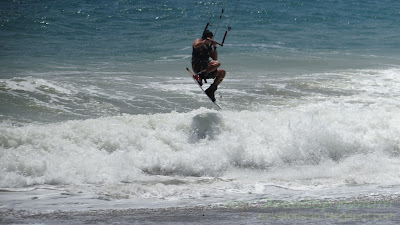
(204,49)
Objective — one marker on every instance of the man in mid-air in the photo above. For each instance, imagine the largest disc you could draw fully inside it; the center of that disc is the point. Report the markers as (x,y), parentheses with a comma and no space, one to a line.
(204,49)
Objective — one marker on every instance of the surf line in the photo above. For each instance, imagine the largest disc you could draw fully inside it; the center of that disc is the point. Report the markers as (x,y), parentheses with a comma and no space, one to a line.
(224,4)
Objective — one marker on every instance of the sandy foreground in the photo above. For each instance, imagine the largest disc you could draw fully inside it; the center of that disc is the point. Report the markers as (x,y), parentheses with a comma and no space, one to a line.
(356,211)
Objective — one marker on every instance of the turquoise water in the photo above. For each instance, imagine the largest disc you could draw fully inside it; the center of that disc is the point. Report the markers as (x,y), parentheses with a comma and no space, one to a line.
(103,31)
(74,44)
(95,101)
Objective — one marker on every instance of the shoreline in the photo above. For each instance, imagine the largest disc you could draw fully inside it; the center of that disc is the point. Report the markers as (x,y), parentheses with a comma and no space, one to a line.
(274,212)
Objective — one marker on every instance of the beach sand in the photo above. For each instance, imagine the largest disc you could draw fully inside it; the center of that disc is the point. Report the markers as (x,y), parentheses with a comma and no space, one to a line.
(360,211)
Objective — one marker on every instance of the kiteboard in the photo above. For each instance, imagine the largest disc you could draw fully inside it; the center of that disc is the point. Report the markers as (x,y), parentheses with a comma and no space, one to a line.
(195,80)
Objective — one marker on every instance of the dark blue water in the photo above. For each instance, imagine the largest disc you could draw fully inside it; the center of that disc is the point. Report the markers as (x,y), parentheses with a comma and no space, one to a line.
(130,31)
(79,42)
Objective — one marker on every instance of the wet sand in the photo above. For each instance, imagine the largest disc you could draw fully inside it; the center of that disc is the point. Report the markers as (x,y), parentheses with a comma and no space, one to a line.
(311,212)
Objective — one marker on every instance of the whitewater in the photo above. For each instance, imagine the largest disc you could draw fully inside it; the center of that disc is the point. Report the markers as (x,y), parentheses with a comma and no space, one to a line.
(343,147)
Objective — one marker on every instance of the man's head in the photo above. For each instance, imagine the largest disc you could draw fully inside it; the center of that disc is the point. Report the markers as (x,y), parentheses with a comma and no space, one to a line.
(207,34)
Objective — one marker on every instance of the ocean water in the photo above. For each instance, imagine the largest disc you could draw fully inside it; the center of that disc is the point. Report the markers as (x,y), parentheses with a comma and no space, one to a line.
(97,110)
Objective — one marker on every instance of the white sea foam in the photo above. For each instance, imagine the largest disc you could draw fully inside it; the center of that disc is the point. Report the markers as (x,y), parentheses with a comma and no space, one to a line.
(183,156)
(339,139)
(31,84)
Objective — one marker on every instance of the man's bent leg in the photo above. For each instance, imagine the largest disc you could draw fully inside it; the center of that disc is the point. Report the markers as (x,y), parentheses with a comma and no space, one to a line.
(219,77)
(212,65)
(210,70)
